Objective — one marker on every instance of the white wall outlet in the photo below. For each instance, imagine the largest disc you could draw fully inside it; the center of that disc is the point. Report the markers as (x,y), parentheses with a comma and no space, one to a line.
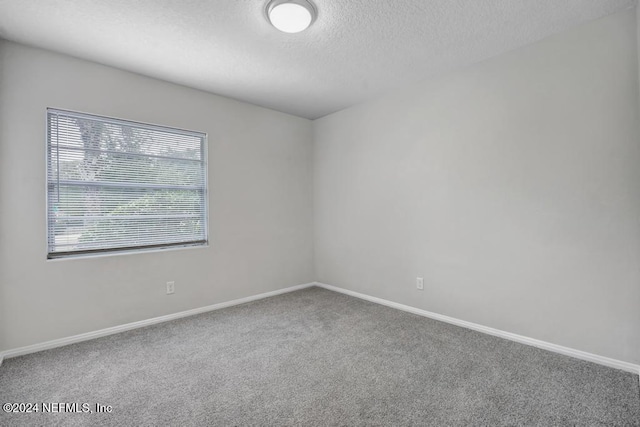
(420,283)
(171,287)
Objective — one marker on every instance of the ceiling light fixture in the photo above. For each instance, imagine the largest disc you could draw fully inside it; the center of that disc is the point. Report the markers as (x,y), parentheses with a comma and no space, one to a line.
(291,16)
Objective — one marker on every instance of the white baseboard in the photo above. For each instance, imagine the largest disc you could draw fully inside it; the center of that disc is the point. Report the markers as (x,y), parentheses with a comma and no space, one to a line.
(135,325)
(578,354)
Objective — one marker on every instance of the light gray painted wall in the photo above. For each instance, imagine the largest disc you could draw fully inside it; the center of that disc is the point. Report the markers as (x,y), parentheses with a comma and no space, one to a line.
(260,202)
(512,186)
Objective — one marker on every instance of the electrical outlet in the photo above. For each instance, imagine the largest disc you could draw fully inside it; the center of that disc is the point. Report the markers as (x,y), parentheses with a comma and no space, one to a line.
(420,283)
(171,287)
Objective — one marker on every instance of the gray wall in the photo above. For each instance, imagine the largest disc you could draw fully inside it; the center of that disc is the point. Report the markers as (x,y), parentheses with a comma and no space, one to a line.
(260,202)
(512,186)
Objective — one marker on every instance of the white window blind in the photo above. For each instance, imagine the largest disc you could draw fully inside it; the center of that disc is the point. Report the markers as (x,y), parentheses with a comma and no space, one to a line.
(115,185)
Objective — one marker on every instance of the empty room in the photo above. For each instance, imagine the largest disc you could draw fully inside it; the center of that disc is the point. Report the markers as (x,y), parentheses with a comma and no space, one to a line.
(320,213)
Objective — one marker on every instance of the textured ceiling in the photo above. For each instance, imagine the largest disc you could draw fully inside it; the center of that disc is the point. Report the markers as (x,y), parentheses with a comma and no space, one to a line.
(356,49)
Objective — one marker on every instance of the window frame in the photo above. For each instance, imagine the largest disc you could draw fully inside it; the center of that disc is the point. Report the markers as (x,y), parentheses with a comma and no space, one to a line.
(114,251)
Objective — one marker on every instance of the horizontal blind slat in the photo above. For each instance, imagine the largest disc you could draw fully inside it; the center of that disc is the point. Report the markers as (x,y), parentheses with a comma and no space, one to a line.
(136,185)
(125,153)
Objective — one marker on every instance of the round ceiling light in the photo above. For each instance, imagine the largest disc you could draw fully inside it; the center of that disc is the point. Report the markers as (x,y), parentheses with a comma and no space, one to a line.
(291,16)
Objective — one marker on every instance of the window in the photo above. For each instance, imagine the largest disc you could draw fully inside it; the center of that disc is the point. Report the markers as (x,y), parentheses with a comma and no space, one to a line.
(116,185)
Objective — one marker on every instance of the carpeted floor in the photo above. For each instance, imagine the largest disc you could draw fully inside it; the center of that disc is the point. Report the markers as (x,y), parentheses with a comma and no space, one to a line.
(313,358)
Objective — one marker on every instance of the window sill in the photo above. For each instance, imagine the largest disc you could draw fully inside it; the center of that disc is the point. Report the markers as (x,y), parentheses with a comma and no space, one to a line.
(127,252)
